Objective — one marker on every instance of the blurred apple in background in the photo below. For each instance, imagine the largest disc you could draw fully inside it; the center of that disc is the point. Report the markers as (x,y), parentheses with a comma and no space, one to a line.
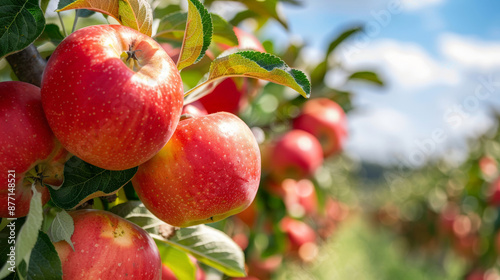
(296,155)
(326,120)
(194,109)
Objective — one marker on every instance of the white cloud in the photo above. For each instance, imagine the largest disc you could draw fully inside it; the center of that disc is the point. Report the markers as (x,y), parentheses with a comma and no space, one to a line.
(469,52)
(378,132)
(408,65)
(419,4)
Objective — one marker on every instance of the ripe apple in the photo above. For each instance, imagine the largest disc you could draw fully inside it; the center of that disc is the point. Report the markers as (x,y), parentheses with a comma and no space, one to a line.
(108,247)
(296,155)
(194,109)
(112,96)
(209,170)
(326,120)
(301,239)
(29,152)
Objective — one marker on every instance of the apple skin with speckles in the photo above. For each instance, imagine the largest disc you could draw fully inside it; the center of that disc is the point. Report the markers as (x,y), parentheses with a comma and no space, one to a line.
(108,247)
(295,155)
(209,170)
(27,147)
(110,111)
(326,120)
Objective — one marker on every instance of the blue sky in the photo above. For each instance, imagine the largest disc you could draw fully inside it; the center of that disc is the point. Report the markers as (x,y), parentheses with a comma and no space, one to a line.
(435,56)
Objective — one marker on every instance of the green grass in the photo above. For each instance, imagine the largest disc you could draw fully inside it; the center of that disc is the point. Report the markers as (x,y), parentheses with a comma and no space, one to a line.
(360,252)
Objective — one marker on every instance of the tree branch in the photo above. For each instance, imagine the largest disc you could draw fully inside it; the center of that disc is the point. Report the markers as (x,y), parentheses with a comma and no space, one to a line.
(28,65)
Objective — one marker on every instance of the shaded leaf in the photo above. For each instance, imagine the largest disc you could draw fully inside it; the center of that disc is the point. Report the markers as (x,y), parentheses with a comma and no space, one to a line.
(83,181)
(178,261)
(367,76)
(223,31)
(136,14)
(197,36)
(22,22)
(251,64)
(172,26)
(51,33)
(209,246)
(44,261)
(341,38)
(62,228)
(138,214)
(28,235)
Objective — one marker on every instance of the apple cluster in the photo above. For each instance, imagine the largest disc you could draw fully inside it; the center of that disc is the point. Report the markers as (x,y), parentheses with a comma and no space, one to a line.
(113,97)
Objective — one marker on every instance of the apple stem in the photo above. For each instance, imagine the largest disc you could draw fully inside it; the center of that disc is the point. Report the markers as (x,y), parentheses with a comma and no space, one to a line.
(185,117)
(131,60)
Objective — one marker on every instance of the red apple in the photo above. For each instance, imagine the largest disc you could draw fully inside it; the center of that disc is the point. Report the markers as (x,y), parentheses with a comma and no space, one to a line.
(300,197)
(108,247)
(29,152)
(209,170)
(228,96)
(112,96)
(296,155)
(298,232)
(326,120)
(494,193)
(263,269)
(194,109)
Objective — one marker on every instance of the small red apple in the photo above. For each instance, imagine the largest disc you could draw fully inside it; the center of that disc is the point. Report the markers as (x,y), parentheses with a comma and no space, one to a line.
(296,155)
(194,109)
(112,96)
(326,120)
(29,152)
(209,170)
(263,269)
(232,94)
(298,232)
(108,247)
(228,96)
(300,197)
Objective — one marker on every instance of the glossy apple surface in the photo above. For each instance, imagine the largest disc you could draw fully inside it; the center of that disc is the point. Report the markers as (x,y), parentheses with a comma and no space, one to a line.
(296,155)
(27,148)
(195,109)
(209,170)
(326,120)
(108,247)
(112,96)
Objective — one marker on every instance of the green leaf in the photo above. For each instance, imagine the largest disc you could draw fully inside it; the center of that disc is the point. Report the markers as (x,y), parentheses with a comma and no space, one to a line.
(197,36)
(28,235)
(172,26)
(62,228)
(21,22)
(178,261)
(83,181)
(319,72)
(367,76)
(136,14)
(137,213)
(223,31)
(44,261)
(251,64)
(51,33)
(341,38)
(260,10)
(209,246)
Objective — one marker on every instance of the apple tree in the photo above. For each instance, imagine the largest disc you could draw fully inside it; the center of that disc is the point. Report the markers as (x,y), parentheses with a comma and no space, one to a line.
(123,136)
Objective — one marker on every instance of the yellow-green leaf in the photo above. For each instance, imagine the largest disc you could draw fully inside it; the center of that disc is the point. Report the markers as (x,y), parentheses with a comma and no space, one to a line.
(197,36)
(136,14)
(252,64)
